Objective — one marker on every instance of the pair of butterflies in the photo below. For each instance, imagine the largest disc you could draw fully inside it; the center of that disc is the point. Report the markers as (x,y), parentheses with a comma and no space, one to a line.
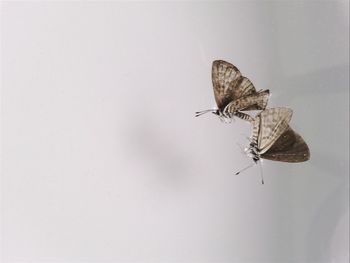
(272,137)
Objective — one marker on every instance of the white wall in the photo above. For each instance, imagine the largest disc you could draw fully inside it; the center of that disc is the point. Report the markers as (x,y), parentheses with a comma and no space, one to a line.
(103,160)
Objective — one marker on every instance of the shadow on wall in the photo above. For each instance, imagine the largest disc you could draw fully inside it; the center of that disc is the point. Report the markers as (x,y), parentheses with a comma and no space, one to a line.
(152,143)
(321,108)
(321,230)
(322,99)
(328,80)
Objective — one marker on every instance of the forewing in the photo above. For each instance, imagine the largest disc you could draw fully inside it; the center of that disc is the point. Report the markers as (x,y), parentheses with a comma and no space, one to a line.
(241,87)
(273,123)
(255,129)
(256,101)
(223,73)
(290,147)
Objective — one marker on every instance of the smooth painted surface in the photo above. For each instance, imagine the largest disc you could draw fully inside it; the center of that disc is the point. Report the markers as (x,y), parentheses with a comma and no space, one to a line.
(103,160)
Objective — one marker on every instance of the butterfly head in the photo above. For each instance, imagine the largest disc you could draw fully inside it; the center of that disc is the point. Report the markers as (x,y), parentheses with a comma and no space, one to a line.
(217,112)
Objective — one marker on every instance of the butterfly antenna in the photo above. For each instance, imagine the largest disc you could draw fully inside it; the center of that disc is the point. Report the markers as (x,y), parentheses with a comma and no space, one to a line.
(199,113)
(261,172)
(244,169)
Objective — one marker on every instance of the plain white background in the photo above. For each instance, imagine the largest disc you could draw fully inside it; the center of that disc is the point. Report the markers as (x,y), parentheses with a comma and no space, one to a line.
(103,160)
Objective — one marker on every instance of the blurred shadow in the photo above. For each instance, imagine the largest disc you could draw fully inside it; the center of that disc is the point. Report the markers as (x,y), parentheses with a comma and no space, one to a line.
(312,95)
(323,98)
(329,80)
(156,146)
(324,223)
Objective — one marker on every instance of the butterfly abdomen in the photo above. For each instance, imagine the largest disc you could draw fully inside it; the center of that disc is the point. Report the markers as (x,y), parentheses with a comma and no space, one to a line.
(243,116)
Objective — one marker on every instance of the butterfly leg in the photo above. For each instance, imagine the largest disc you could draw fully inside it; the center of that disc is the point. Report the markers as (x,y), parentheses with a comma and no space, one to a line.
(245,168)
(261,172)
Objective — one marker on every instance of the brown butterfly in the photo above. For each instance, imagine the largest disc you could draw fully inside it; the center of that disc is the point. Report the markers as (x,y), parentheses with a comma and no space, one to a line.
(273,138)
(234,93)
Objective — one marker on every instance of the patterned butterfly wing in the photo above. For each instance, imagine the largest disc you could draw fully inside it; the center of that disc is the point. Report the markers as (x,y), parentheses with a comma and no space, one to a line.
(223,73)
(259,100)
(254,101)
(269,125)
(289,147)
(241,87)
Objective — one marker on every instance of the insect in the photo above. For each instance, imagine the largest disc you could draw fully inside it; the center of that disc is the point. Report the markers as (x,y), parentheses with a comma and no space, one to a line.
(234,93)
(273,138)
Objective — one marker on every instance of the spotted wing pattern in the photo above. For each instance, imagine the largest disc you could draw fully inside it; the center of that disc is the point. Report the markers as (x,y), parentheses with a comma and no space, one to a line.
(255,101)
(289,147)
(242,87)
(230,86)
(269,125)
(223,74)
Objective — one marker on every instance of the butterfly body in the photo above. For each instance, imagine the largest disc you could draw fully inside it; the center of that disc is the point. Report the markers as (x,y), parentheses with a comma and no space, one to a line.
(234,93)
(272,137)
(275,140)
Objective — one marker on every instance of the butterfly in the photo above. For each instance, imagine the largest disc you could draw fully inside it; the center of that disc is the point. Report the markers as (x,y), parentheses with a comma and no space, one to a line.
(234,93)
(273,139)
